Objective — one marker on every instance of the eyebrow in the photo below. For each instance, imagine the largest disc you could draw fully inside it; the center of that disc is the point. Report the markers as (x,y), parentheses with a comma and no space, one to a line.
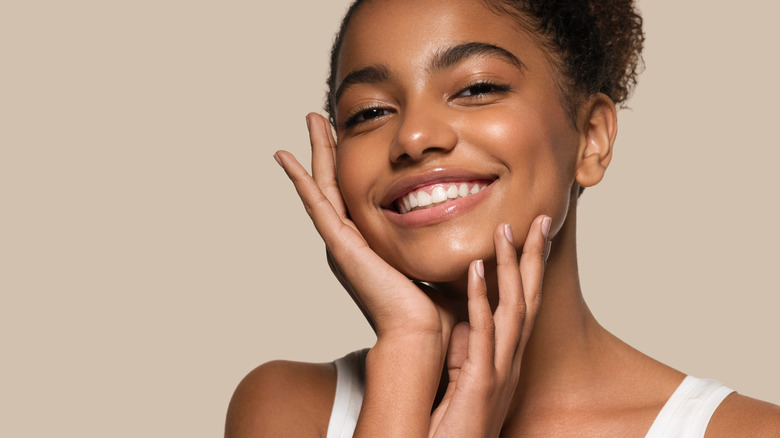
(443,60)
(373,74)
(456,54)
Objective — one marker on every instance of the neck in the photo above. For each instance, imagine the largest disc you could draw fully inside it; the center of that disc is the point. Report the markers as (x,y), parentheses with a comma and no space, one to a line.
(567,343)
(561,345)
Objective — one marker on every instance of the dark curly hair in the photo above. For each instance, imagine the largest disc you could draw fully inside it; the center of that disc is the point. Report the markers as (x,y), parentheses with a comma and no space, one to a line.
(596,45)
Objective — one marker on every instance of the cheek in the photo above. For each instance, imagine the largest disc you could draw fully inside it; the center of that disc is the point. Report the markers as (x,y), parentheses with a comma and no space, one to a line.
(537,145)
(358,171)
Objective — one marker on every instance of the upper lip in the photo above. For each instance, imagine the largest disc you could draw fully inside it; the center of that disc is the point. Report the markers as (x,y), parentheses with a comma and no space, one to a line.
(433,176)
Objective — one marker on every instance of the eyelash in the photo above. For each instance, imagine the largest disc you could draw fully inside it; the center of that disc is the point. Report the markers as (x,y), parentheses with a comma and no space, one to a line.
(362,111)
(491,86)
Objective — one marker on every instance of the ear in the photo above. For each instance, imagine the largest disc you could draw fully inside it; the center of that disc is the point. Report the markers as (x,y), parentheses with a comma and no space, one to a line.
(598,128)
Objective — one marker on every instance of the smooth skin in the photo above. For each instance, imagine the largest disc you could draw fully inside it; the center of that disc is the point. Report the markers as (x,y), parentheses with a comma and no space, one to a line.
(522,355)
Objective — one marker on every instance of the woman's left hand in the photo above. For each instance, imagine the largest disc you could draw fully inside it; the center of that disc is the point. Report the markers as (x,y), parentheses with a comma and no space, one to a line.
(484,356)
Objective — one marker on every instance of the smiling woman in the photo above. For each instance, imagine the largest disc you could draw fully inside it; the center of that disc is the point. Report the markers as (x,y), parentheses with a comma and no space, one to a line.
(465,131)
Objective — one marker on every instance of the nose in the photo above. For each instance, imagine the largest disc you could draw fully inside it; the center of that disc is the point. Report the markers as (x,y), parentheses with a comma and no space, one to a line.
(424,130)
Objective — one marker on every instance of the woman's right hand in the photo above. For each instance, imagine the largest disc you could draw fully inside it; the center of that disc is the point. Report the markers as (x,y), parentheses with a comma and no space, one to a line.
(395,306)
(413,326)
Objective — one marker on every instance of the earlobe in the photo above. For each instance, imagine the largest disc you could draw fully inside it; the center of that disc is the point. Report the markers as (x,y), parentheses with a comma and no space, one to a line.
(598,128)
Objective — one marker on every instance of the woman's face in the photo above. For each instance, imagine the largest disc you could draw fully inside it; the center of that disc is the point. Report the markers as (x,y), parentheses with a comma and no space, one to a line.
(435,98)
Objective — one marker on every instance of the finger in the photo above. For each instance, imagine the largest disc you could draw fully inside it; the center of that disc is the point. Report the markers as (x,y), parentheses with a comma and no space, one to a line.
(511,309)
(456,356)
(481,345)
(319,208)
(532,269)
(342,278)
(350,251)
(323,164)
(458,349)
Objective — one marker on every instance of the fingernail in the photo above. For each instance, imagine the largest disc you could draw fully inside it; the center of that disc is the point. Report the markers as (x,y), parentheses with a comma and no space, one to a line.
(308,123)
(480,268)
(508,233)
(546,222)
(278,160)
(547,250)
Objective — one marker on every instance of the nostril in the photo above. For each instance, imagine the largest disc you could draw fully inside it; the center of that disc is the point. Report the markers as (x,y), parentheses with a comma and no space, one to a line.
(422,133)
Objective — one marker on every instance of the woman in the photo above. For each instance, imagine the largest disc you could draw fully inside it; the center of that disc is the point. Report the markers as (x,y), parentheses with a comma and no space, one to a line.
(466,132)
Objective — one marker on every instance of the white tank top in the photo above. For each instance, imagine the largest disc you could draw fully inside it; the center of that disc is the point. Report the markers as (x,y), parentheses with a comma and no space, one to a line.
(350,385)
(685,415)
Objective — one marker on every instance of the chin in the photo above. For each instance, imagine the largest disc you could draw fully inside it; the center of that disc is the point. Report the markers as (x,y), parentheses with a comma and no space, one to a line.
(446,265)
(438,274)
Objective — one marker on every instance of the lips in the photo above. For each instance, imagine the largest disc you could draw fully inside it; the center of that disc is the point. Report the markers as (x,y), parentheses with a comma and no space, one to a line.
(434,188)
(433,195)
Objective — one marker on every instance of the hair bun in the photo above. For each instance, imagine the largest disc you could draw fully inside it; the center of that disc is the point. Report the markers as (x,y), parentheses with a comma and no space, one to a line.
(620,31)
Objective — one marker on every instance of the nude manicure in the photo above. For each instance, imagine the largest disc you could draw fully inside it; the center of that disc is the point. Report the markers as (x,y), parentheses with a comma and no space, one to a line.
(508,233)
(546,223)
(480,268)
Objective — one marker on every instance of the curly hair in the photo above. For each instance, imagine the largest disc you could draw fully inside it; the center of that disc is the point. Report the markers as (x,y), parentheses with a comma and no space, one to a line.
(596,45)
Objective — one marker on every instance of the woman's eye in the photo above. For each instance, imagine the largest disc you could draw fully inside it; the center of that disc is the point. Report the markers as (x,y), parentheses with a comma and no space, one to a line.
(482,89)
(366,115)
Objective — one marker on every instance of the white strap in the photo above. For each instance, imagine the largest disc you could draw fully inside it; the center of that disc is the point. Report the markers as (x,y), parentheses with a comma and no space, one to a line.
(350,385)
(688,411)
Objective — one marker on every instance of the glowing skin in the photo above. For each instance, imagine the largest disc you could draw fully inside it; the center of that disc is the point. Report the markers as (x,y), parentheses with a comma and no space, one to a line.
(484,117)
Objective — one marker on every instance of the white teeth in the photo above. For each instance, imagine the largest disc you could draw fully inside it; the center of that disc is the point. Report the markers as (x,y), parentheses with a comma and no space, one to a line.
(452,192)
(423,199)
(440,193)
(407,205)
(463,190)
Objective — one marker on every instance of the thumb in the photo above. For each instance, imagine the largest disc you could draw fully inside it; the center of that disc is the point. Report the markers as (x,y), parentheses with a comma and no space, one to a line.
(456,356)
(459,347)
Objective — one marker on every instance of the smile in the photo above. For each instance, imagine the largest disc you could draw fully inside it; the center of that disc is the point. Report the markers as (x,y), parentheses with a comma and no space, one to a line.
(437,194)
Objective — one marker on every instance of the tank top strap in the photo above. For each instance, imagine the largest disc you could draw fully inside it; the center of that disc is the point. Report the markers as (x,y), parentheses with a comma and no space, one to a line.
(350,386)
(688,411)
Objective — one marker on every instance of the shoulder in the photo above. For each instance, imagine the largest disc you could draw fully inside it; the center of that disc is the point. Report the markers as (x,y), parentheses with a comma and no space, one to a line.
(282,398)
(739,415)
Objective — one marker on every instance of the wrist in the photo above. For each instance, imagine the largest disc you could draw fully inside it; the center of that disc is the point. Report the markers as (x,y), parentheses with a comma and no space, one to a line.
(419,343)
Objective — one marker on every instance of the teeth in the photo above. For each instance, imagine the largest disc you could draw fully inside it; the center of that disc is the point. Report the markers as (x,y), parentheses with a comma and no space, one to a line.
(452,192)
(423,199)
(439,194)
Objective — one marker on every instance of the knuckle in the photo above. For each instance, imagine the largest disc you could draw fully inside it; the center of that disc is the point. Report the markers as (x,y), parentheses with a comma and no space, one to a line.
(329,185)
(484,323)
(521,309)
(509,262)
(536,251)
(486,386)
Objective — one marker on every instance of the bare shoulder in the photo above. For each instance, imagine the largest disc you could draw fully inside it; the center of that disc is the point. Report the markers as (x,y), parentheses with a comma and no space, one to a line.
(282,398)
(740,416)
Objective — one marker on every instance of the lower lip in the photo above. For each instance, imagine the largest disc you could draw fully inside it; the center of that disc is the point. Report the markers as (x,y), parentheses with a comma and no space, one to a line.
(440,213)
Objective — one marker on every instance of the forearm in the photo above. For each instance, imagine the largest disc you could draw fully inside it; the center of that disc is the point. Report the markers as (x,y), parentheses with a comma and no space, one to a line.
(402,377)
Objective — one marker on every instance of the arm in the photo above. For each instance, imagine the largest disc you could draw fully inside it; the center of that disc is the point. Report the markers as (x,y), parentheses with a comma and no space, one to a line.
(415,327)
(404,367)
(740,416)
(282,399)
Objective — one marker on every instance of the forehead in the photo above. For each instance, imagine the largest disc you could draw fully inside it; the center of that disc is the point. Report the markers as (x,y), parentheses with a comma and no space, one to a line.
(408,33)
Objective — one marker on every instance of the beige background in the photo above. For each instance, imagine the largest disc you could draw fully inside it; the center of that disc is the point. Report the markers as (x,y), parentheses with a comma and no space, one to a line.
(152,253)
